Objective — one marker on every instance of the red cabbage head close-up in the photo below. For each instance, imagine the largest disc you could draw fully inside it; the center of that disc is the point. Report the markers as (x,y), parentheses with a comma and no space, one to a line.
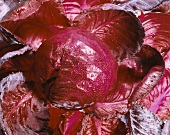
(84,67)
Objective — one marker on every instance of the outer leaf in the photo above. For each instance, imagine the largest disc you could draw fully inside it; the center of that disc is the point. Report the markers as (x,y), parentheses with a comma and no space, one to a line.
(94,126)
(33,21)
(157,30)
(14,53)
(153,65)
(8,42)
(137,76)
(19,62)
(167,61)
(108,110)
(75,7)
(7,5)
(120,2)
(79,123)
(164,8)
(79,65)
(71,123)
(158,100)
(55,115)
(8,37)
(109,6)
(120,30)
(134,5)
(5,48)
(144,122)
(21,111)
(14,56)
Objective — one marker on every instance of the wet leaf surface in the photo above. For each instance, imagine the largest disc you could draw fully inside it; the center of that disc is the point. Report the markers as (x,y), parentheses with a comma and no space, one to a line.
(111,26)
(21,110)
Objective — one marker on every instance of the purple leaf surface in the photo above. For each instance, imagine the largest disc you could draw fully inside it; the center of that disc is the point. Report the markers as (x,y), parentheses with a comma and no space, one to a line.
(157,30)
(92,125)
(79,65)
(75,7)
(84,63)
(120,30)
(20,110)
(16,61)
(152,64)
(137,76)
(157,100)
(109,110)
(167,61)
(8,5)
(11,48)
(71,122)
(144,122)
(8,42)
(33,22)
(164,8)
(87,124)
(120,2)
(134,5)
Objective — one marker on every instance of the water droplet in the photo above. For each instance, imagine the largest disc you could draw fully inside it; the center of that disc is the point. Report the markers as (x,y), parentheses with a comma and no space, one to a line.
(20,10)
(82,85)
(65,104)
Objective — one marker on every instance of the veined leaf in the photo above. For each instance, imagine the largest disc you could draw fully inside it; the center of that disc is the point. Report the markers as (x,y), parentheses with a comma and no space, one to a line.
(21,111)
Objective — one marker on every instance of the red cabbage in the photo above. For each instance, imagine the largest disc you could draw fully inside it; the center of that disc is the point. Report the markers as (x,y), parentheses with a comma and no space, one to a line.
(79,65)
(85,75)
